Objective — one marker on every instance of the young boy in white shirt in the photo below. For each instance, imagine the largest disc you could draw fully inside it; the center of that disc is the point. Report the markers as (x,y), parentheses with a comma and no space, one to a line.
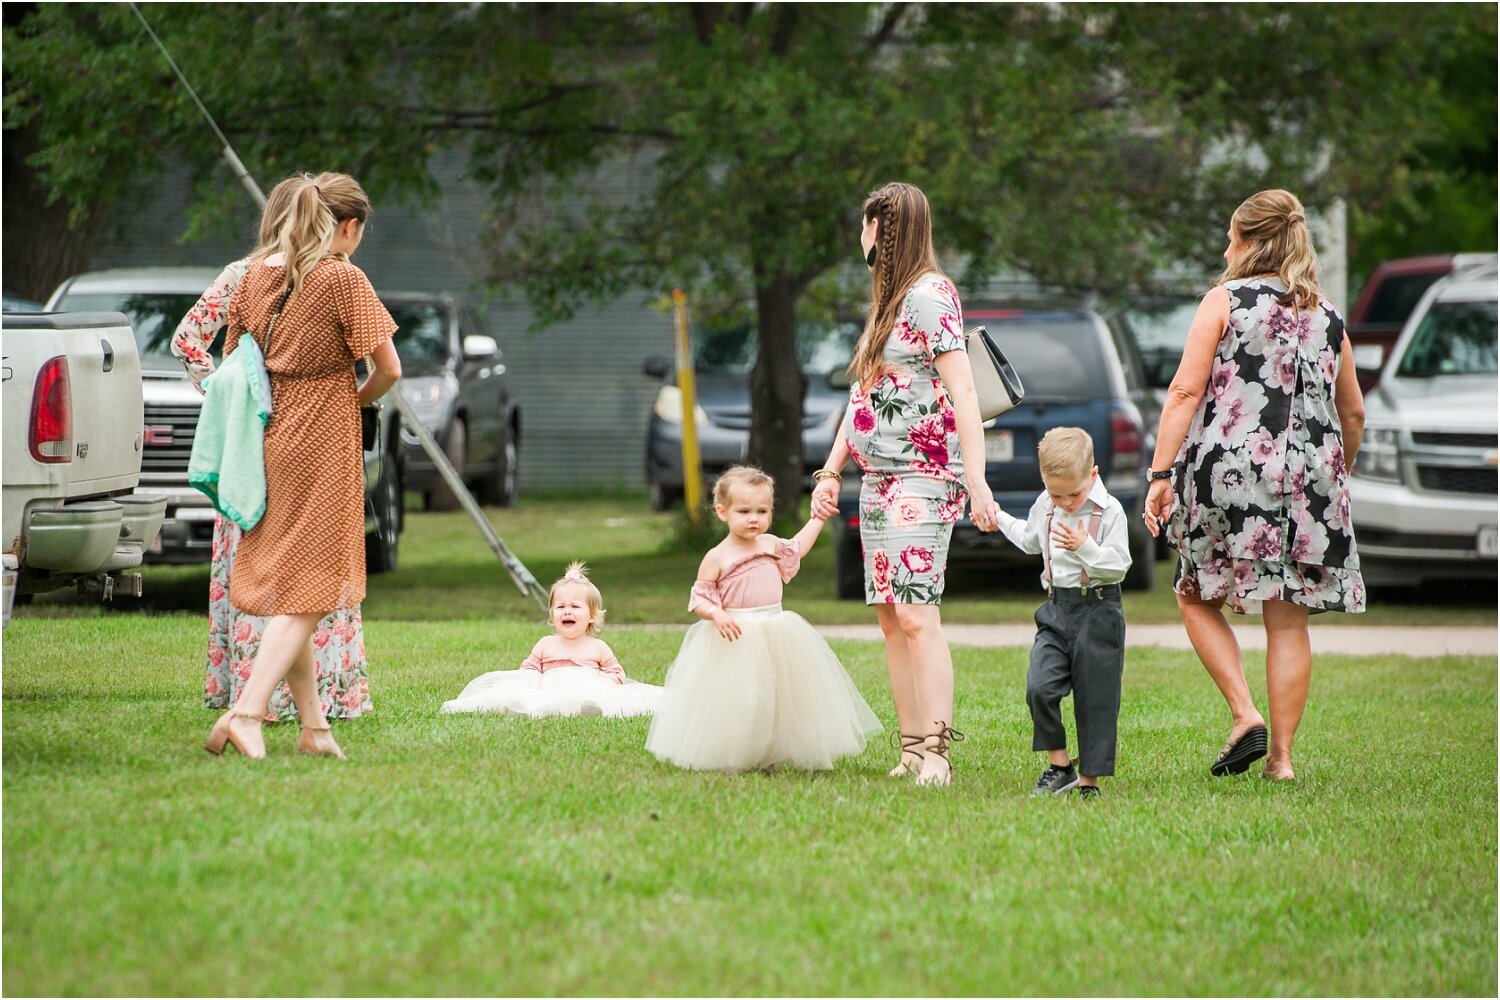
(1080,630)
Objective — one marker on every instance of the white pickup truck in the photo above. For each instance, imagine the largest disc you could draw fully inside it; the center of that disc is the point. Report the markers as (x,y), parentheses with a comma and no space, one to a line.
(72,421)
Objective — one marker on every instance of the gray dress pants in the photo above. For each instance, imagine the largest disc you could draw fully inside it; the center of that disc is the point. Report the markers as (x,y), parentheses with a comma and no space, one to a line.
(1079,647)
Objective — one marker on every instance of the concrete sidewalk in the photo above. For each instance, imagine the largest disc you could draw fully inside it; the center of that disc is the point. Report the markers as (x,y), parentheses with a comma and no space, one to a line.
(1382,640)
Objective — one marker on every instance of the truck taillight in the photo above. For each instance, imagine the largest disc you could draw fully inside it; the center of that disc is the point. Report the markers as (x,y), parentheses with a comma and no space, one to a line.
(1127,437)
(52,414)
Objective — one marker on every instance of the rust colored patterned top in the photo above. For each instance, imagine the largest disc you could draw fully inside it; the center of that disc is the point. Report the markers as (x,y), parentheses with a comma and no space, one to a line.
(307,554)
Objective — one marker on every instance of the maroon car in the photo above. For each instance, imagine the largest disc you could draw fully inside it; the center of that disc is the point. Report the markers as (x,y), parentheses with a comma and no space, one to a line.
(1387,300)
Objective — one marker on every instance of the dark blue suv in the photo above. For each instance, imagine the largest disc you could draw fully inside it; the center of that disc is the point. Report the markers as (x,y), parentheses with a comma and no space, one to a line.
(1079,370)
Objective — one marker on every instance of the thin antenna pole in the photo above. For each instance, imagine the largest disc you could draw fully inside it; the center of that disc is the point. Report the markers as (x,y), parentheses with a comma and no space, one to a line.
(229,155)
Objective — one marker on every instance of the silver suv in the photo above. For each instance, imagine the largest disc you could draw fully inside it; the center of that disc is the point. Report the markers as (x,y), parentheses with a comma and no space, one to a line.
(1424,483)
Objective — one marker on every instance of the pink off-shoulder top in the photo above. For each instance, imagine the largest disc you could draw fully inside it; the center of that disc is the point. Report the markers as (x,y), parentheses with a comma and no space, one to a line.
(752,582)
(609,666)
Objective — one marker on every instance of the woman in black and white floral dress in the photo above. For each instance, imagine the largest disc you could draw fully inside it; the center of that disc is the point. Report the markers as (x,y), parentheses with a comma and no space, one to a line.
(1262,423)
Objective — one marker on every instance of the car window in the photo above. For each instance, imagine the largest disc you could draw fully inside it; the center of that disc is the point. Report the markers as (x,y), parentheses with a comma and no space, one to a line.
(470,323)
(1397,297)
(422,330)
(821,348)
(1164,327)
(153,318)
(1454,338)
(1055,357)
(1130,360)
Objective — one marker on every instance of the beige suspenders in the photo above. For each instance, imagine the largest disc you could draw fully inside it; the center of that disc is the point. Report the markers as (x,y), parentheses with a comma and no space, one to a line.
(1083,573)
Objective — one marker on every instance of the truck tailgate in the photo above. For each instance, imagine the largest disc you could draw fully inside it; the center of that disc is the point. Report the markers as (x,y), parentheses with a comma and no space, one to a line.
(104,389)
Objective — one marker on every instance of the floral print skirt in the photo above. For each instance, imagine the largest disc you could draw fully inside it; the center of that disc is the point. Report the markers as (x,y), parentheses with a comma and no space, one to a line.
(234,639)
(1245,584)
(905,525)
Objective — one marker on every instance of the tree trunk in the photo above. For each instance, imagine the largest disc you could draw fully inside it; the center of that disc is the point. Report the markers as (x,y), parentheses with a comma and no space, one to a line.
(777,390)
(41,249)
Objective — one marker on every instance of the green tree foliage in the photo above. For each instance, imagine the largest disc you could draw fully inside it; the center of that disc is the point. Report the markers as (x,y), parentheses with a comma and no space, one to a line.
(1090,146)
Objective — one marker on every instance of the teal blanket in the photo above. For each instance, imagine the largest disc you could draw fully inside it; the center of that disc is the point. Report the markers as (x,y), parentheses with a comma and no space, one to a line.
(228,462)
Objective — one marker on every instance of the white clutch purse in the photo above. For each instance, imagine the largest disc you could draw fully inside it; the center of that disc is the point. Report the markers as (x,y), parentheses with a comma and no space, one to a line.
(995,381)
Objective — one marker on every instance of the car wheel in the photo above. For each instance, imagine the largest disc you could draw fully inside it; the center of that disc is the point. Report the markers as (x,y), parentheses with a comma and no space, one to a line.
(382,545)
(500,485)
(1142,573)
(663,497)
(458,452)
(848,564)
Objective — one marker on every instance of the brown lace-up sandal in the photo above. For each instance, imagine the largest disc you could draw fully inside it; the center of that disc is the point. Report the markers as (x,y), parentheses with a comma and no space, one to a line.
(944,737)
(908,745)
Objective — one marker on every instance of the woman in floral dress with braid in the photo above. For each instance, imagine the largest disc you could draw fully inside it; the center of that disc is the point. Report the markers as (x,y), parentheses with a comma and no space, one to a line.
(233,636)
(913,428)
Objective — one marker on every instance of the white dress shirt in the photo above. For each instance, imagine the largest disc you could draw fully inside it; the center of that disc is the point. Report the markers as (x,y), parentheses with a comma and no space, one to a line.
(1106,560)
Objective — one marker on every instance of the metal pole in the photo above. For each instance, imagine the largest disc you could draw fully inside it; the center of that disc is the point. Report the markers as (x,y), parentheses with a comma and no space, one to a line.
(519,574)
(692,462)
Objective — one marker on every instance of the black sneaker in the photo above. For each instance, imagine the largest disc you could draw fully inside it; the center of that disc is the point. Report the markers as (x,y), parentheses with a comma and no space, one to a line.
(1087,793)
(1056,780)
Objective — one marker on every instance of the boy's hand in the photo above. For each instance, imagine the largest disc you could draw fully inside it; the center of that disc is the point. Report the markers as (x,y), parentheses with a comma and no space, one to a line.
(727,626)
(1069,538)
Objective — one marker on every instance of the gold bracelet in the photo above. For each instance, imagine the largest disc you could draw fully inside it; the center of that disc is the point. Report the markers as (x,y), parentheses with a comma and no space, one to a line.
(822,474)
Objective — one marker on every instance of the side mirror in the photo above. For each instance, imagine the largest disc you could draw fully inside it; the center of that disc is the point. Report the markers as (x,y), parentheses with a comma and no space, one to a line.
(478,347)
(657,367)
(839,379)
(1369,357)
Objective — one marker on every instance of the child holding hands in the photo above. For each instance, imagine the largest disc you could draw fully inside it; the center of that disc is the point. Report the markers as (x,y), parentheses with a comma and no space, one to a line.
(754,686)
(1080,630)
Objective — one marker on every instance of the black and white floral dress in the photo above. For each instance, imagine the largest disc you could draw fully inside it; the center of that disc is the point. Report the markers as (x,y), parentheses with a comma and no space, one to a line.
(1262,492)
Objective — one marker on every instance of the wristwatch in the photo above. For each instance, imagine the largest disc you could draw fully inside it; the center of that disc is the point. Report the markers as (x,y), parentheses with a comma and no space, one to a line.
(1152,475)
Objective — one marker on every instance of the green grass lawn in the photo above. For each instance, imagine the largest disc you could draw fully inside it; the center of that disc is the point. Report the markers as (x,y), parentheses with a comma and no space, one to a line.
(447,572)
(484,855)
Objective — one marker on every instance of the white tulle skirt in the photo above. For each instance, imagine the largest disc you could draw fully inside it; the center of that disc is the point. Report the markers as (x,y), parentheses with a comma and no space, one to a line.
(777,695)
(558,691)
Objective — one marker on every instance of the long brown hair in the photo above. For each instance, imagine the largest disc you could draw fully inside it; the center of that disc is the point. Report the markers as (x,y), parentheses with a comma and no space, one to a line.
(319,204)
(903,253)
(1275,222)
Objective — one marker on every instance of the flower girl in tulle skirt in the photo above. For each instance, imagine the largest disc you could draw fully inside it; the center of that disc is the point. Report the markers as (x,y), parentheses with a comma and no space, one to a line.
(570,672)
(753,686)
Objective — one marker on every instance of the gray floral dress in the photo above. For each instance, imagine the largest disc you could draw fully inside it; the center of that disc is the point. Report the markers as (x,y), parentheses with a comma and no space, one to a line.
(904,438)
(1262,493)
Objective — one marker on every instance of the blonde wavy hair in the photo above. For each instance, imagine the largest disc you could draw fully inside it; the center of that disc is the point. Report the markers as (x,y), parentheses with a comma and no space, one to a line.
(903,253)
(576,576)
(743,476)
(318,205)
(273,217)
(1275,224)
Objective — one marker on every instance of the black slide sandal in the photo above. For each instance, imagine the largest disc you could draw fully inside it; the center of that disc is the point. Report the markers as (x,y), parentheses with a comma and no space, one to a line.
(1237,757)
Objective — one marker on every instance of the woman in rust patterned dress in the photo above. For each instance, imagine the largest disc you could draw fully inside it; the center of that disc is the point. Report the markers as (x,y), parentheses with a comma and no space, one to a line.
(233,637)
(306,557)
